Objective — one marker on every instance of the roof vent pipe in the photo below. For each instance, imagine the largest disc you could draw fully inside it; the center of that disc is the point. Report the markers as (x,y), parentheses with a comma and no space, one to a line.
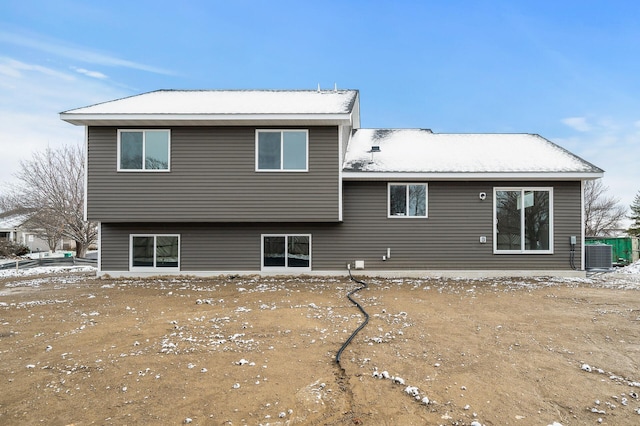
(374,148)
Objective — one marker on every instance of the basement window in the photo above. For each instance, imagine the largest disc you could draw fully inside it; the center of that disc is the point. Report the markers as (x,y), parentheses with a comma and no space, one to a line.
(286,252)
(154,252)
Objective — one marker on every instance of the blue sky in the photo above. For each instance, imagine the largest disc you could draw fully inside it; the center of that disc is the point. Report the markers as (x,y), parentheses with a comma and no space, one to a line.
(567,70)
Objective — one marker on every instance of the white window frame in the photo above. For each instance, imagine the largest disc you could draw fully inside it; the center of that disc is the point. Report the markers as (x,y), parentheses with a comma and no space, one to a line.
(153,268)
(522,249)
(407,184)
(282,132)
(144,146)
(285,268)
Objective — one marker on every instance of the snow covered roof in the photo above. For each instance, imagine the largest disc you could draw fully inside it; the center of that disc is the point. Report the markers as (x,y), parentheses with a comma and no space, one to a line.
(11,222)
(198,107)
(422,153)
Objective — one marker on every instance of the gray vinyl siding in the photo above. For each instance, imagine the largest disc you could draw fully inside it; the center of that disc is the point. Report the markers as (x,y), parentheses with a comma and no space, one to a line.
(213,179)
(204,246)
(447,240)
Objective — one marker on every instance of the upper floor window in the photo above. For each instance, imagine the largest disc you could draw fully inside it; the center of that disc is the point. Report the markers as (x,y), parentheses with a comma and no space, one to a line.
(282,150)
(407,200)
(143,149)
(523,220)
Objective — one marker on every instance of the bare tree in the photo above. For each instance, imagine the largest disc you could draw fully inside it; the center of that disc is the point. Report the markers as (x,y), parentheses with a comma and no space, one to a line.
(50,192)
(48,228)
(602,212)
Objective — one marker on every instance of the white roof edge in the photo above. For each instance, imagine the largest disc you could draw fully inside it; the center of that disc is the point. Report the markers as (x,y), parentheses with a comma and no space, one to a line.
(200,119)
(474,176)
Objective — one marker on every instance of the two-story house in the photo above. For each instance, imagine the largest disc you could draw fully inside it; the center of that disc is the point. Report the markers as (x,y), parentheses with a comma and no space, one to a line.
(268,181)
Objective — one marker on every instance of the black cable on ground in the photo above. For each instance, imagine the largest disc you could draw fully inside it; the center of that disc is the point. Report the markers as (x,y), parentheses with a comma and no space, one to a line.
(366,315)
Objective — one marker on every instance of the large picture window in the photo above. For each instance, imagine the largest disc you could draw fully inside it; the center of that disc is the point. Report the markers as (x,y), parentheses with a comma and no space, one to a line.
(407,200)
(523,220)
(282,150)
(155,252)
(143,150)
(286,251)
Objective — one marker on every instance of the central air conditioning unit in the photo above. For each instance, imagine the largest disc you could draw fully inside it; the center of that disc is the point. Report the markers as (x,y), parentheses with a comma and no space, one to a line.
(598,256)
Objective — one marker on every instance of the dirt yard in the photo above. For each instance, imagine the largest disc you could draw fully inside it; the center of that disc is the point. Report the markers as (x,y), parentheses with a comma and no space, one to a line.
(255,351)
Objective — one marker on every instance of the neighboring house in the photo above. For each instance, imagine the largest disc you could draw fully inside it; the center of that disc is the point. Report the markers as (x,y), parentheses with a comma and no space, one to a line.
(13,228)
(227,182)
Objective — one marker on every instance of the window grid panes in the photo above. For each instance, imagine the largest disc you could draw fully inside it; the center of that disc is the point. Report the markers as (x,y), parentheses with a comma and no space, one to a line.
(408,200)
(523,220)
(286,251)
(282,150)
(143,150)
(155,251)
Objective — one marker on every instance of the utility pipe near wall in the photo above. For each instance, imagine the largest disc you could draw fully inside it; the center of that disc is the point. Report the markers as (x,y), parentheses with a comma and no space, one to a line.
(366,315)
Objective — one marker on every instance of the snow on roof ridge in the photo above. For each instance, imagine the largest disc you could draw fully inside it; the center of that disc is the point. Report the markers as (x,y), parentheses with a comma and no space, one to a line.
(322,91)
(107,102)
(229,101)
(427,130)
(252,90)
(420,151)
(567,152)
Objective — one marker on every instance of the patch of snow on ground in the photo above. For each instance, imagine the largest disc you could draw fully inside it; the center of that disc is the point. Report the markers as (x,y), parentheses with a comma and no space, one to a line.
(42,270)
(634,268)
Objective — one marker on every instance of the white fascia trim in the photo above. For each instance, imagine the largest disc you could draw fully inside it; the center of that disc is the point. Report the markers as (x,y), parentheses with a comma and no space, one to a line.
(355,113)
(340,142)
(582,227)
(86,172)
(99,261)
(200,119)
(469,176)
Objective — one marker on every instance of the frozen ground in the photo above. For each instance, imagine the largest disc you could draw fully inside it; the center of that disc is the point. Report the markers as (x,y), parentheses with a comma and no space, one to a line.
(250,350)
(598,279)
(634,268)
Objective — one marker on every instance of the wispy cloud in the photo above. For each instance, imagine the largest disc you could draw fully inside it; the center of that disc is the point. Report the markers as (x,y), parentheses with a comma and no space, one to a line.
(31,96)
(94,74)
(13,68)
(577,123)
(32,93)
(613,146)
(76,53)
